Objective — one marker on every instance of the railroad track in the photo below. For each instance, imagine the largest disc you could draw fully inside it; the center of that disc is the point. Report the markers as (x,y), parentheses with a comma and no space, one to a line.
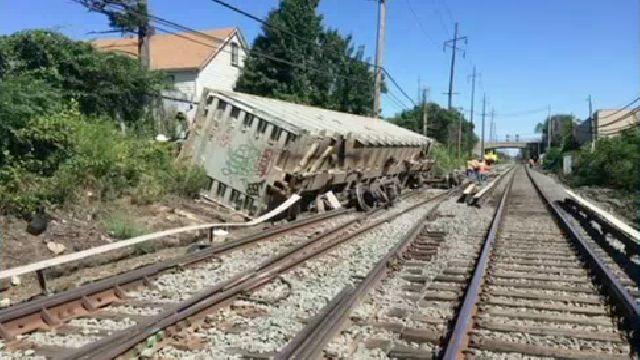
(97,319)
(529,286)
(540,290)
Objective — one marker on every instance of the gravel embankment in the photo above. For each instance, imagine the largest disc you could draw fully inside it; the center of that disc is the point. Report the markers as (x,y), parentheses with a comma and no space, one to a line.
(397,303)
(258,326)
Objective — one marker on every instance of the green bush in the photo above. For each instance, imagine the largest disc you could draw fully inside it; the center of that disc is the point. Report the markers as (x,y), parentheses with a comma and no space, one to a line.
(67,153)
(445,160)
(189,180)
(552,159)
(615,162)
(120,226)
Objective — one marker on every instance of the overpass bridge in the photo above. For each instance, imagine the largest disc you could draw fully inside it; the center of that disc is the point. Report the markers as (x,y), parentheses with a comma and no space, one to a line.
(531,144)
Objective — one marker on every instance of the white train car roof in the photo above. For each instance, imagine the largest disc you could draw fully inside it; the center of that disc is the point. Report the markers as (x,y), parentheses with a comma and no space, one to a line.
(300,118)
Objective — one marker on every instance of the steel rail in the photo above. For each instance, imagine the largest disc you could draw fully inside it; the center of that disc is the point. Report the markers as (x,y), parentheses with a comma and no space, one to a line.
(611,286)
(309,342)
(626,305)
(121,342)
(459,338)
(44,311)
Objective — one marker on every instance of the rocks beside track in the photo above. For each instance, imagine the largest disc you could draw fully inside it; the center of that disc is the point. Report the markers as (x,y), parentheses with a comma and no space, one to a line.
(382,323)
(256,326)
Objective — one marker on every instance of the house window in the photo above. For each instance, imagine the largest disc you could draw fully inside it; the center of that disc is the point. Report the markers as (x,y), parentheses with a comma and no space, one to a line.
(222,189)
(234,54)
(171,80)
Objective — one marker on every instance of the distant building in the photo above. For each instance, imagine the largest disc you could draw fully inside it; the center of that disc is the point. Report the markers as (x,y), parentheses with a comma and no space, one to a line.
(608,123)
(191,61)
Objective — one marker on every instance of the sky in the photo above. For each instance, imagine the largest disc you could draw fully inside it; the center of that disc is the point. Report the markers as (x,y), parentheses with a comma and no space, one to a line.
(529,54)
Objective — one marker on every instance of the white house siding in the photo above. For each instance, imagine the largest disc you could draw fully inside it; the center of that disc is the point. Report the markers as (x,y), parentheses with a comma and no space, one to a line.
(219,74)
(185,82)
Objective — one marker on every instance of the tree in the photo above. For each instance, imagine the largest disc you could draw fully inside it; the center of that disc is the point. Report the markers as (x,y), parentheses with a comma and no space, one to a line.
(287,80)
(443,125)
(126,16)
(297,60)
(562,126)
(101,83)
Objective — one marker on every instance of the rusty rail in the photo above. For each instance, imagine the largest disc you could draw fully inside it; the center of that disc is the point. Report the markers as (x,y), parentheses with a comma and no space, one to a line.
(626,305)
(50,311)
(458,340)
(123,341)
(308,343)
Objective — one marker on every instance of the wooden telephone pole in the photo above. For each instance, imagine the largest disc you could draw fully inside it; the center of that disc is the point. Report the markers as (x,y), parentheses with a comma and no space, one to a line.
(484,105)
(380,41)
(425,95)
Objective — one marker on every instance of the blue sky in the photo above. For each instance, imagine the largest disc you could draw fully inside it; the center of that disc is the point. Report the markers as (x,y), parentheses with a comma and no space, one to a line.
(529,53)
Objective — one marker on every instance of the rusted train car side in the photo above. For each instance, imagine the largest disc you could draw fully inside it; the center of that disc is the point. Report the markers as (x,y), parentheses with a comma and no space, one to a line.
(258,151)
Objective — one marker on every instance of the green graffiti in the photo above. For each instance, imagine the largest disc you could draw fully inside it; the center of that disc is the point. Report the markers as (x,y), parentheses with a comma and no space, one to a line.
(242,161)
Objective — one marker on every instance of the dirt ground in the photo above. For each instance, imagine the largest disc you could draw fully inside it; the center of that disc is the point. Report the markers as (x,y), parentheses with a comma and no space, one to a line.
(83,227)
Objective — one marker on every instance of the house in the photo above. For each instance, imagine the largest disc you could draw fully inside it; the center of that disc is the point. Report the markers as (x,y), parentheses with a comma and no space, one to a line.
(608,123)
(192,61)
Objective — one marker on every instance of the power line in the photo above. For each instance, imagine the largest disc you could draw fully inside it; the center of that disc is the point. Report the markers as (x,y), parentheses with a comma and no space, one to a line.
(622,108)
(399,104)
(398,86)
(264,22)
(419,22)
(448,10)
(92,6)
(630,113)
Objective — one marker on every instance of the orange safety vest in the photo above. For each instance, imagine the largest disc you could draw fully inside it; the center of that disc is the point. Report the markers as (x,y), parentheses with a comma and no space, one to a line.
(484,168)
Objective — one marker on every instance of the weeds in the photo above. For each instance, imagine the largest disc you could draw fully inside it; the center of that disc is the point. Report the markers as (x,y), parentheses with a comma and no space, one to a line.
(120,226)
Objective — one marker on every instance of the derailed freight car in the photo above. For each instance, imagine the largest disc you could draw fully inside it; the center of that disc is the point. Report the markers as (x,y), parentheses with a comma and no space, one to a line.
(258,151)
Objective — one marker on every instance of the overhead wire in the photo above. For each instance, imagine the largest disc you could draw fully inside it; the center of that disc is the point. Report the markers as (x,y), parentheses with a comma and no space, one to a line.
(420,24)
(621,109)
(623,117)
(218,40)
(264,22)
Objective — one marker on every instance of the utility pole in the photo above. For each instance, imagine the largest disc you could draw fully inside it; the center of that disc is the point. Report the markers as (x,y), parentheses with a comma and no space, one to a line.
(473,92)
(492,128)
(144,36)
(380,41)
(548,128)
(593,125)
(453,43)
(425,95)
(460,119)
(484,104)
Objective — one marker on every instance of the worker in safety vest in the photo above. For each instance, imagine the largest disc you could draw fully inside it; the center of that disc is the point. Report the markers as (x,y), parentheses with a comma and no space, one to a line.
(484,170)
(469,167)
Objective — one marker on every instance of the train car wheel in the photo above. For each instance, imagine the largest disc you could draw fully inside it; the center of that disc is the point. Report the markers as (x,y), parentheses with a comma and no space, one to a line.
(365,198)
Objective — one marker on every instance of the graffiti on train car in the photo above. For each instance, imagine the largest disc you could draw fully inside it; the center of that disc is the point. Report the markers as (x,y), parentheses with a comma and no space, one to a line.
(225,138)
(246,160)
(253,189)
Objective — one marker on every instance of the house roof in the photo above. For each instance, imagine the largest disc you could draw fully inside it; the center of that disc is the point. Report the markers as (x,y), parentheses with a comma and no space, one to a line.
(174,51)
